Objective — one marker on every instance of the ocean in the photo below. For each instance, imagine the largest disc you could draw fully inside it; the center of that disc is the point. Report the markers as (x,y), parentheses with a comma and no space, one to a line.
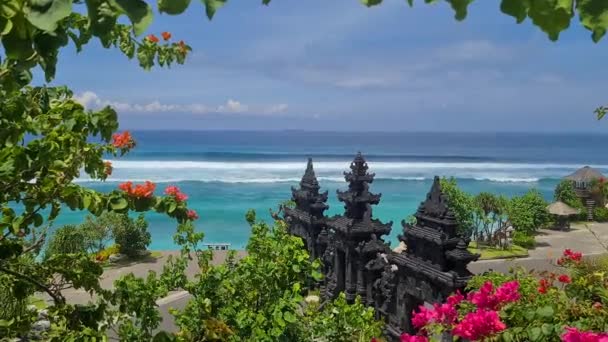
(227,173)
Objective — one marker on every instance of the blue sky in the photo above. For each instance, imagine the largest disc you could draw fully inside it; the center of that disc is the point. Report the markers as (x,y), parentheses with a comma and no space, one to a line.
(337,65)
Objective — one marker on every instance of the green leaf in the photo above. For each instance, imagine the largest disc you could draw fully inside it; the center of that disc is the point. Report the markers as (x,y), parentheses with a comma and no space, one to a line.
(547,329)
(17,47)
(551,16)
(534,333)
(86,199)
(370,3)
(289,317)
(460,7)
(515,8)
(45,14)
(118,203)
(172,207)
(138,11)
(173,6)
(5,26)
(594,17)
(38,220)
(545,311)
(211,6)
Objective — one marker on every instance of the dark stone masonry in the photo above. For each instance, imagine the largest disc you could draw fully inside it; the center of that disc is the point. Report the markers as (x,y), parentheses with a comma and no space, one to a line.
(358,262)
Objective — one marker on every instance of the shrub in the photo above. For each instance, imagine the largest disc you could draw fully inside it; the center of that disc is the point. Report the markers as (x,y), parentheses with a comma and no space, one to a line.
(67,239)
(130,235)
(524,240)
(99,230)
(342,322)
(528,213)
(519,306)
(600,214)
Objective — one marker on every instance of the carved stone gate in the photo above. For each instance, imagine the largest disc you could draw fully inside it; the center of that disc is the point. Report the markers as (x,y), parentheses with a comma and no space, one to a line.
(358,262)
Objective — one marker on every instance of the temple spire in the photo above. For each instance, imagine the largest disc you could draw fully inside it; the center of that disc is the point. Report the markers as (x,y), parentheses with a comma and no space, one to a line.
(309,180)
(357,199)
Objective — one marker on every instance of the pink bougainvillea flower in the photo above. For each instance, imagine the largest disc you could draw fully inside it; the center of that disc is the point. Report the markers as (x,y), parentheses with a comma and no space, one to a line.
(123,140)
(423,317)
(192,215)
(152,38)
(166,35)
(413,338)
(487,298)
(564,278)
(478,325)
(145,190)
(575,335)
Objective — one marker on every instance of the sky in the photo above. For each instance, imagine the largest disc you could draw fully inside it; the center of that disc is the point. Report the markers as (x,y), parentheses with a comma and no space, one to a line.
(337,65)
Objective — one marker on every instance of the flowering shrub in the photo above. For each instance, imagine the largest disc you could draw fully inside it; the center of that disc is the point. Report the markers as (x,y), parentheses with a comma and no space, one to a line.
(521,307)
(123,140)
(145,190)
(174,191)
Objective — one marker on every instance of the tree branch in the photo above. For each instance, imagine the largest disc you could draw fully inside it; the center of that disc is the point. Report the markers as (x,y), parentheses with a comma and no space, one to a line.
(57,297)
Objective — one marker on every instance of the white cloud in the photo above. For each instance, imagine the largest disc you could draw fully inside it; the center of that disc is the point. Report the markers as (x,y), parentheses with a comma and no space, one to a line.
(91,100)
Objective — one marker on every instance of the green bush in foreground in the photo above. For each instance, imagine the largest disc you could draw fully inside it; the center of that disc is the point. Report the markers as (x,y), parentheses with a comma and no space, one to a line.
(523,240)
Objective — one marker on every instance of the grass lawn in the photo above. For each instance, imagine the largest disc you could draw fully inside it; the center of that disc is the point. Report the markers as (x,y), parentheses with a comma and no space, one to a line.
(39,303)
(488,253)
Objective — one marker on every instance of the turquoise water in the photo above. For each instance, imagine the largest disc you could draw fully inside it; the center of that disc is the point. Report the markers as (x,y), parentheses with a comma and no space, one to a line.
(226,173)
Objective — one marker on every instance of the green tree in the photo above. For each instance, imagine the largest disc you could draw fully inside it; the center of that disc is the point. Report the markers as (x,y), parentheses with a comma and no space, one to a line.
(131,236)
(564,192)
(528,213)
(462,204)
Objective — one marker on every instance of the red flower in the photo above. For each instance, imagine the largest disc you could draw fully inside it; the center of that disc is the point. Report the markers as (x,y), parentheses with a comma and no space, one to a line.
(123,140)
(182,46)
(145,190)
(542,286)
(479,325)
(564,278)
(166,35)
(570,257)
(597,305)
(174,191)
(192,215)
(602,180)
(405,337)
(152,38)
(107,168)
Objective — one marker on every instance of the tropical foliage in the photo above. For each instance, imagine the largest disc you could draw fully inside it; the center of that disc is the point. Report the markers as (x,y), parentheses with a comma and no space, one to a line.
(486,217)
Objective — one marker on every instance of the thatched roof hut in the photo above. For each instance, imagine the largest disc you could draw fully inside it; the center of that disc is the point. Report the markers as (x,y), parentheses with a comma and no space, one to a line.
(583,176)
(561,209)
